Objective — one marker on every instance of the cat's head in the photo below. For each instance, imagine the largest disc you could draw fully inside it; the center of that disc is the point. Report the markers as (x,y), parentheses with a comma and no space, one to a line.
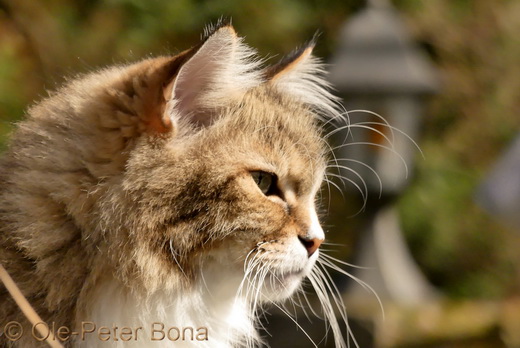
(223,168)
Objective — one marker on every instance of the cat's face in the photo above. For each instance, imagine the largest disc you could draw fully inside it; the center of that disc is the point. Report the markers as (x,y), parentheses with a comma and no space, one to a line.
(222,170)
(236,197)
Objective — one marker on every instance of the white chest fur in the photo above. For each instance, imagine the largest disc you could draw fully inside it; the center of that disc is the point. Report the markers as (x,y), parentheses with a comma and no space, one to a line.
(199,318)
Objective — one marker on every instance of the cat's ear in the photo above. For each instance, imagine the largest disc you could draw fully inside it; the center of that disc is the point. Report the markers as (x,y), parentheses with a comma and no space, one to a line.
(302,75)
(292,65)
(221,69)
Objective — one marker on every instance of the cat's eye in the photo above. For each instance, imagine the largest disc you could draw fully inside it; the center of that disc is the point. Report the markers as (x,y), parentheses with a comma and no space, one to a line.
(267,182)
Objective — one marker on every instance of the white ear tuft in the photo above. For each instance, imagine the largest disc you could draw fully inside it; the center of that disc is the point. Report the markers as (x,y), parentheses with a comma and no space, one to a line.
(220,71)
(302,76)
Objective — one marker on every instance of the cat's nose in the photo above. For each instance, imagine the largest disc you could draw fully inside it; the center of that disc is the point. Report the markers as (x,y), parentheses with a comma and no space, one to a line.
(311,244)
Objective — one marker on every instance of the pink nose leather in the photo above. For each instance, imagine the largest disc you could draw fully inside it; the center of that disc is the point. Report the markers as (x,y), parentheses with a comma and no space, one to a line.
(310,244)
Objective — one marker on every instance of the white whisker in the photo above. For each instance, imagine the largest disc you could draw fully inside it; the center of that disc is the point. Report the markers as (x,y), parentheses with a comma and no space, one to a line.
(299,326)
(357,280)
(369,168)
(174,256)
(377,145)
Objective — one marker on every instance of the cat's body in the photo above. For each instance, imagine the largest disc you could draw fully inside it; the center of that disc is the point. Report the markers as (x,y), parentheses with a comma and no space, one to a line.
(177,191)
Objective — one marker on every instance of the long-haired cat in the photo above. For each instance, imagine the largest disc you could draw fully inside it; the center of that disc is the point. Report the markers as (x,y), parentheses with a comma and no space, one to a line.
(173,192)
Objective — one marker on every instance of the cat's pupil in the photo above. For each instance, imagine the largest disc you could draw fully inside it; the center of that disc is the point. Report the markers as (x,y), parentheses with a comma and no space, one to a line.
(266,182)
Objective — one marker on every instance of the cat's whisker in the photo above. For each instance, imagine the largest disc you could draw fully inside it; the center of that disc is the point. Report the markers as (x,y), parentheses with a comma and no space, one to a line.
(325,250)
(384,123)
(349,126)
(339,118)
(300,304)
(203,278)
(363,284)
(362,190)
(330,182)
(369,112)
(389,141)
(321,291)
(363,194)
(334,158)
(174,256)
(249,281)
(333,289)
(331,244)
(333,259)
(341,178)
(328,293)
(380,146)
(340,167)
(255,307)
(345,116)
(252,270)
(380,182)
(310,306)
(246,261)
(257,286)
(293,311)
(395,129)
(297,324)
(249,269)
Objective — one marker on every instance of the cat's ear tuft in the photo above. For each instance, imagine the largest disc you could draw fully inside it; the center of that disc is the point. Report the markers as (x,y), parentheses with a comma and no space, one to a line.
(294,60)
(212,75)
(302,76)
(211,28)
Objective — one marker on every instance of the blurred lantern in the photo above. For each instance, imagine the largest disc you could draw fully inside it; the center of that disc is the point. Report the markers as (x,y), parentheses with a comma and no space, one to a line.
(378,68)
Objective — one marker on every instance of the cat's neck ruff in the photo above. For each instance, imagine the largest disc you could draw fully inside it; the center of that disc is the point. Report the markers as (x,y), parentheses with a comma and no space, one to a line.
(196,318)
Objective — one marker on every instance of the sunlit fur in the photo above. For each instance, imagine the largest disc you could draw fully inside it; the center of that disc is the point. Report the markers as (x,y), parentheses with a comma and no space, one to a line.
(127,199)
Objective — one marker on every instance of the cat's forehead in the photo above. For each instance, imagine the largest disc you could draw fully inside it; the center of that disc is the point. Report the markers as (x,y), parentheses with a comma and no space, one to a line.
(278,133)
(266,111)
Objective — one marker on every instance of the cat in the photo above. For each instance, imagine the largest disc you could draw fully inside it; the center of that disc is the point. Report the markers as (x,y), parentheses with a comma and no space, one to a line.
(170,199)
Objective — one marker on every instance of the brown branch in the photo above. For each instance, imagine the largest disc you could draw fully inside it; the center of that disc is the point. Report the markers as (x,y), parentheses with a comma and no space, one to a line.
(27,309)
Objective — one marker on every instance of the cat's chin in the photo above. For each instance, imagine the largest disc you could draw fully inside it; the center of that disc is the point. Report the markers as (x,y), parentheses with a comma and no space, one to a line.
(281,283)
(281,286)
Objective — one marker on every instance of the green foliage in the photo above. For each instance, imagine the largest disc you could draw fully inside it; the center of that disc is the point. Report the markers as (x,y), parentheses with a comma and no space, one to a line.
(474,119)
(463,251)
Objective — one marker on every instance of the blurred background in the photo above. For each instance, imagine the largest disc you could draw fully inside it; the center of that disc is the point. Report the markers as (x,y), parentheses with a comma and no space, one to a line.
(446,232)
